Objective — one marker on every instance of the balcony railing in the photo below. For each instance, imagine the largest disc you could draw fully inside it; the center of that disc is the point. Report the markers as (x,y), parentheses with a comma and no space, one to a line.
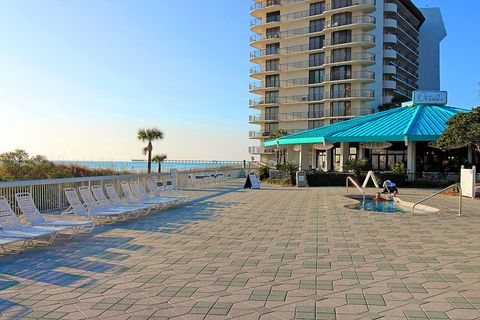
(356,75)
(361,56)
(348,112)
(364,19)
(365,38)
(258,134)
(406,81)
(308,98)
(262,117)
(308,13)
(269,3)
(260,150)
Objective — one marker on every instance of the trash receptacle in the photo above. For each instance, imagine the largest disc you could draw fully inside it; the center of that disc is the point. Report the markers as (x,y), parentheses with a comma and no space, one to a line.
(301,179)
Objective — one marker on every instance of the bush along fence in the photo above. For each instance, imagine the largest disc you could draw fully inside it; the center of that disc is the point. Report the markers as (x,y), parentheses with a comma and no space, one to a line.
(409,180)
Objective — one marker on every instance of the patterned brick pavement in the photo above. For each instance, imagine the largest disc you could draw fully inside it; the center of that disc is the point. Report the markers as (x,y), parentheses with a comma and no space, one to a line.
(276,253)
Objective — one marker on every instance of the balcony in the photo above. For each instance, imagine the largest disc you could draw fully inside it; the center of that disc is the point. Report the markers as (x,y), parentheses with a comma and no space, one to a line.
(390,23)
(362,94)
(361,57)
(390,38)
(359,20)
(362,39)
(389,84)
(353,76)
(390,53)
(259,134)
(413,85)
(260,150)
(366,5)
(390,7)
(260,118)
(408,47)
(389,69)
(349,112)
(266,4)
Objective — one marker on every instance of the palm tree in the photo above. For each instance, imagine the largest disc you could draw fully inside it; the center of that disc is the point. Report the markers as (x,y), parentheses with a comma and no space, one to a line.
(282,152)
(149,135)
(159,158)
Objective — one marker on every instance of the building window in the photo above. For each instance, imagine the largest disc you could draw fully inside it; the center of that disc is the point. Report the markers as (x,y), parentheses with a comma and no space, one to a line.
(273,16)
(341,73)
(317,8)
(339,55)
(273,33)
(316,76)
(340,109)
(271,96)
(344,36)
(272,48)
(270,127)
(312,124)
(316,42)
(272,65)
(341,3)
(317,25)
(271,113)
(316,59)
(341,90)
(315,110)
(341,19)
(272,81)
(315,93)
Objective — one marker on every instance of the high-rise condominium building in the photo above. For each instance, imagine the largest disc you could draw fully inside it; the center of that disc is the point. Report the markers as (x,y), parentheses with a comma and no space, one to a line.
(321,62)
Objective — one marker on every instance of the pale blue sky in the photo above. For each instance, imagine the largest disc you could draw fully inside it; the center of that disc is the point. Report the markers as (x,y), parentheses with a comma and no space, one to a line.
(78,78)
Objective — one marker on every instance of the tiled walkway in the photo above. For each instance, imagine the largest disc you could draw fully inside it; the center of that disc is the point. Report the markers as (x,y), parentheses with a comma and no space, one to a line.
(276,253)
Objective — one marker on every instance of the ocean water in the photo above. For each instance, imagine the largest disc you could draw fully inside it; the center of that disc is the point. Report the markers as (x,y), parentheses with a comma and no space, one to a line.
(141,166)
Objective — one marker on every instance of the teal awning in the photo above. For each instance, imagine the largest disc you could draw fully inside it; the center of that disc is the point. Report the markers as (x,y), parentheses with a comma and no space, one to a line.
(415,123)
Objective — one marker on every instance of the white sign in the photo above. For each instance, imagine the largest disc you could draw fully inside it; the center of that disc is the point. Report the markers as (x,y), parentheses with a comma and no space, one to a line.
(435,98)
(254,181)
(467,182)
(370,175)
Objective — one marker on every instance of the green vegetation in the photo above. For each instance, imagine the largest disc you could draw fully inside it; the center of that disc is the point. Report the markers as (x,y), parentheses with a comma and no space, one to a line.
(291,168)
(263,172)
(463,128)
(357,166)
(149,135)
(159,158)
(282,153)
(18,165)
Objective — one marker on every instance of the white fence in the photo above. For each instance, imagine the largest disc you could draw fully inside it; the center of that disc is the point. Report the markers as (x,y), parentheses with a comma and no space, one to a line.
(49,195)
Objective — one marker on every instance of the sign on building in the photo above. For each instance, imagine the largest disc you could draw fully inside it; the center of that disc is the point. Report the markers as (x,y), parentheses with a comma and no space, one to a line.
(433,98)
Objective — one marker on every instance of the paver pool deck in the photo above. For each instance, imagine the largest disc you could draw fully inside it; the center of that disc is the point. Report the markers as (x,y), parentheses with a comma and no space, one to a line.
(275,253)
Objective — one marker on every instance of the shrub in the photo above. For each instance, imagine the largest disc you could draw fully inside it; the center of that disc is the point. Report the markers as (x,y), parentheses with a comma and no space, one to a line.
(291,168)
(357,166)
(324,179)
(264,172)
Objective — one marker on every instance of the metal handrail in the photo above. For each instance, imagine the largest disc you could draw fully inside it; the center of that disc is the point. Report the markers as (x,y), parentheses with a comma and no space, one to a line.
(438,192)
(358,187)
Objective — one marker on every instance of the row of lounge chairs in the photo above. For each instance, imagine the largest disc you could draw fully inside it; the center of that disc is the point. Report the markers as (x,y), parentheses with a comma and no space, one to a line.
(96,208)
(203,180)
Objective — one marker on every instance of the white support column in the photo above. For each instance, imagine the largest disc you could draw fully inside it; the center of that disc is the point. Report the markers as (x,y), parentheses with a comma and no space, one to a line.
(303,160)
(344,153)
(470,154)
(329,159)
(290,153)
(411,156)
(361,152)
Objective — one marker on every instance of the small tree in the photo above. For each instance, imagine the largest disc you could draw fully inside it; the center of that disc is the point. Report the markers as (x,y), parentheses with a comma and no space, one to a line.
(159,158)
(282,152)
(464,127)
(358,166)
(290,168)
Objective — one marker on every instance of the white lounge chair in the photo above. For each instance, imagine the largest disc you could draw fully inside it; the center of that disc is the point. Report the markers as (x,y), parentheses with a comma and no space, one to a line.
(139,192)
(160,192)
(133,197)
(94,206)
(34,217)
(78,208)
(102,200)
(6,244)
(12,228)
